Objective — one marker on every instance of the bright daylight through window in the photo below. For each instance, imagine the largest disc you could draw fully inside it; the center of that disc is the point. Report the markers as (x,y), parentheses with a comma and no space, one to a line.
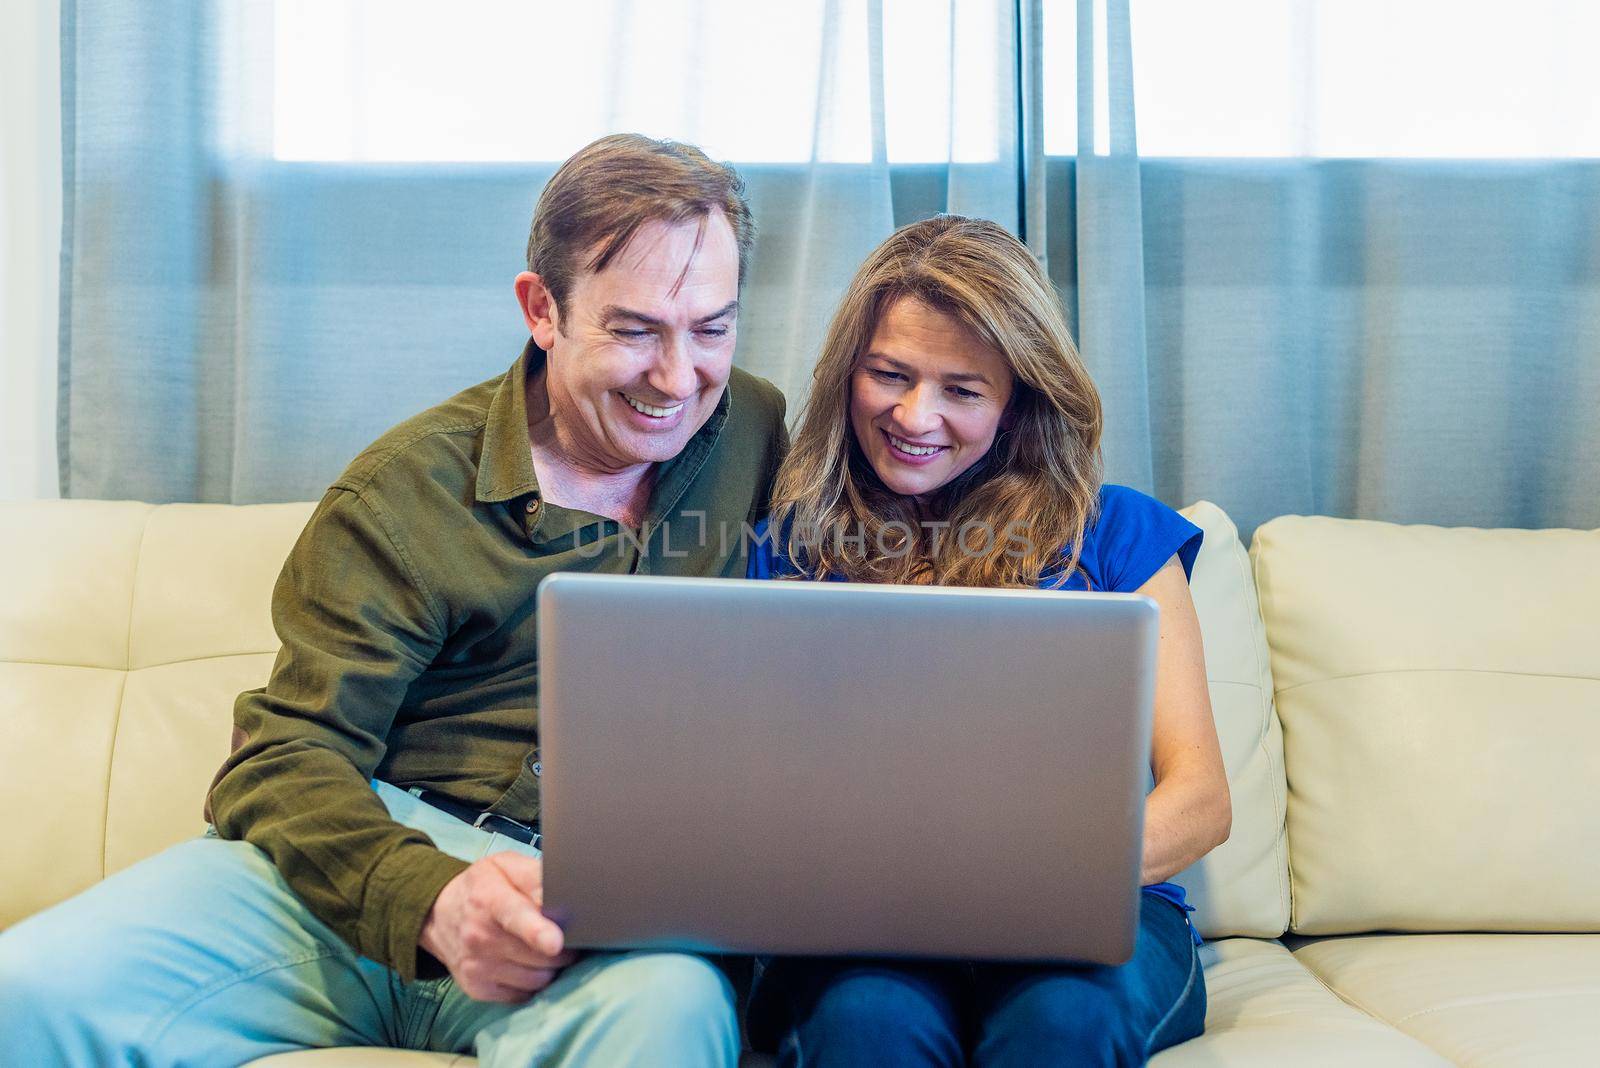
(410,81)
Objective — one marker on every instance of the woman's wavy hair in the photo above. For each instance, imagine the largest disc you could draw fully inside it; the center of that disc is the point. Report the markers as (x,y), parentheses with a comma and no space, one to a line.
(1041,475)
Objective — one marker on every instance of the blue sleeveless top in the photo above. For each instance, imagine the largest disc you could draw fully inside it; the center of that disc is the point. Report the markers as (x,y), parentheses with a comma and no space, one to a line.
(1127,542)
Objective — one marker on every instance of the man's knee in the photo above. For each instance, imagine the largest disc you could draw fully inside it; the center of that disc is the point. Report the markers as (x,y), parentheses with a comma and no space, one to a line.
(677,996)
(88,975)
(679,983)
(42,992)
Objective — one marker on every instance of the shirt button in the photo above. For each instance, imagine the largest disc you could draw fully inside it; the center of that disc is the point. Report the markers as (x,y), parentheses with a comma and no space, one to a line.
(533,506)
(538,768)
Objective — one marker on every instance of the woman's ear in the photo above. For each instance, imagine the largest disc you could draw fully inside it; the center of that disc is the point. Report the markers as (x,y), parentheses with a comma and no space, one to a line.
(1009,417)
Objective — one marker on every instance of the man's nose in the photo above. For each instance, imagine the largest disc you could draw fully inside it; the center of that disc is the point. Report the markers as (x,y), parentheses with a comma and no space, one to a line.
(673,373)
(918,411)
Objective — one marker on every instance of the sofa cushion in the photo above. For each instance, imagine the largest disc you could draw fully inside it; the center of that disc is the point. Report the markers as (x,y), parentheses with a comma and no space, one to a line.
(1241,887)
(1264,1008)
(1480,999)
(67,569)
(126,633)
(57,728)
(360,1057)
(1439,691)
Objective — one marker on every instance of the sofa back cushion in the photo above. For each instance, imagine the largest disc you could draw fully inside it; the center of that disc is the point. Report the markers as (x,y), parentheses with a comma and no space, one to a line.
(1439,691)
(126,632)
(1241,887)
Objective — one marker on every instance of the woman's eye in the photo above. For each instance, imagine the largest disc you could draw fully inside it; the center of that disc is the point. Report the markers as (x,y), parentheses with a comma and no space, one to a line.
(886,376)
(965,394)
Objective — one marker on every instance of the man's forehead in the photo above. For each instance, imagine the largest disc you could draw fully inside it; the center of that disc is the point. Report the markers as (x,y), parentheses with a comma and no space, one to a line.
(706,243)
(669,269)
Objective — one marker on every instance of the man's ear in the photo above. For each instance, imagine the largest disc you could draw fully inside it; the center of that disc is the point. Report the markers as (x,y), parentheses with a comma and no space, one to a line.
(538,309)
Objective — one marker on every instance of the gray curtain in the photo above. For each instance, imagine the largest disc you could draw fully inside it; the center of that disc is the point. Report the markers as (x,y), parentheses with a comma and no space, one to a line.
(237,327)
(1396,340)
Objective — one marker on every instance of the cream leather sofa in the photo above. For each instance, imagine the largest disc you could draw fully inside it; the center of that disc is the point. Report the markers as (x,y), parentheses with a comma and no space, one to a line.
(1410,716)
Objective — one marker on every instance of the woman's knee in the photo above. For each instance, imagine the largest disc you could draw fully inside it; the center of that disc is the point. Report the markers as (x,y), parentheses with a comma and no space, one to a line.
(872,998)
(875,1014)
(1062,1020)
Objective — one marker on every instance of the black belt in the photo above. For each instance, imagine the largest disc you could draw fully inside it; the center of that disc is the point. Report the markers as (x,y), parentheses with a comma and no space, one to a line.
(483,820)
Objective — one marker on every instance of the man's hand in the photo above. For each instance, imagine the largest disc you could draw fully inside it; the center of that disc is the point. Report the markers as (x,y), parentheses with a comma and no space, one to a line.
(486,927)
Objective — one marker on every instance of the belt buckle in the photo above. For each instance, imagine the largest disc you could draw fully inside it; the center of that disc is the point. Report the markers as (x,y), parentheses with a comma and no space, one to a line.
(534,837)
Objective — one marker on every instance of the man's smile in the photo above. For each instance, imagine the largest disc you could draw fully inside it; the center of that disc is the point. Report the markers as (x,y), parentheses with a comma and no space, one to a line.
(652,410)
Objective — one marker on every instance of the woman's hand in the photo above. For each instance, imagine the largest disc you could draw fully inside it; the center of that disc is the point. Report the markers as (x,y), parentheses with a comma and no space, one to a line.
(1189,813)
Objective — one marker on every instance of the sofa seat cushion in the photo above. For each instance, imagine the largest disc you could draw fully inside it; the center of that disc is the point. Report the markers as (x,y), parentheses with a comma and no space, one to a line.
(364,1057)
(1479,999)
(1264,1008)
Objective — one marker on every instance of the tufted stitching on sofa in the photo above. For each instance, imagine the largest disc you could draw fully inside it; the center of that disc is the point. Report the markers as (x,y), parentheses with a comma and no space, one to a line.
(1442,671)
(116,720)
(1501,999)
(149,667)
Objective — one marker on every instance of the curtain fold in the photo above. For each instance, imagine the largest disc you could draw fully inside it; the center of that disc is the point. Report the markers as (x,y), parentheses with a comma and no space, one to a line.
(1399,340)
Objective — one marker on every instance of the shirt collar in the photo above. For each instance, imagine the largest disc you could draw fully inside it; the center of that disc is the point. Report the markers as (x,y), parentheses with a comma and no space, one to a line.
(505,469)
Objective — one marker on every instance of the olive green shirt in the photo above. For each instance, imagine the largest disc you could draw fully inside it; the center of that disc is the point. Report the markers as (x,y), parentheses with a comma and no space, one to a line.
(406,612)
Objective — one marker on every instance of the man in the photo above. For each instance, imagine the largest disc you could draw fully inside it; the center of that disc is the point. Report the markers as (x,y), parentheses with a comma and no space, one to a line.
(373,876)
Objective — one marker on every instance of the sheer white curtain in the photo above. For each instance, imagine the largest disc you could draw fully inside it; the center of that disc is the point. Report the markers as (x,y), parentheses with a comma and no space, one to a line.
(30,232)
(1369,259)
(310,213)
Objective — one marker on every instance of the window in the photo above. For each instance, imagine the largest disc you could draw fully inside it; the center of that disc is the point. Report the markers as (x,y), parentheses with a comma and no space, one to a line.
(1349,78)
(414,81)
(407,80)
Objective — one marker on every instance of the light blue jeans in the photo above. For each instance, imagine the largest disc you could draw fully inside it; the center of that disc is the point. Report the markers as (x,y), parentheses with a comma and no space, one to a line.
(202,955)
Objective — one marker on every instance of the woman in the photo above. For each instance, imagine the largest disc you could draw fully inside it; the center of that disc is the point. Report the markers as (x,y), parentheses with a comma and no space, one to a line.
(949,397)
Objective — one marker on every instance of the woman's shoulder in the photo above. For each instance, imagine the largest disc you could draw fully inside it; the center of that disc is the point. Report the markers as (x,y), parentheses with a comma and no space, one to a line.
(1131,536)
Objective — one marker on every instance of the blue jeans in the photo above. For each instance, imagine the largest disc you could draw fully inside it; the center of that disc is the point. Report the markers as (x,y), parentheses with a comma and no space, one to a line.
(203,956)
(823,1013)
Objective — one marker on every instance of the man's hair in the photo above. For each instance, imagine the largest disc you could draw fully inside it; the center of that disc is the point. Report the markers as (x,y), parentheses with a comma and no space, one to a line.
(607,190)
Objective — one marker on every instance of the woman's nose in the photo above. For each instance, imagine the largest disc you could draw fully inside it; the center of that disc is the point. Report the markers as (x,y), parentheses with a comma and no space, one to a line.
(918,412)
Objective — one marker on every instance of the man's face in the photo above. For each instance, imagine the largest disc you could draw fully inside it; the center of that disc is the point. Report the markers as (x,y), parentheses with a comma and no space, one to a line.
(639,354)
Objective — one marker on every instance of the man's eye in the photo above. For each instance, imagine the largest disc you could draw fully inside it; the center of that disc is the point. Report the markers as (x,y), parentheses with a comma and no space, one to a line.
(630,333)
(714,331)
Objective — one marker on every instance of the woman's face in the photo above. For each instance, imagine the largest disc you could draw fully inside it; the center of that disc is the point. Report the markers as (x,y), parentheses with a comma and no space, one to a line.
(926,398)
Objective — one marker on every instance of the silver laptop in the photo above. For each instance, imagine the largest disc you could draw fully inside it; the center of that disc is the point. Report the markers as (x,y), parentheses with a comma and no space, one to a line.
(830,768)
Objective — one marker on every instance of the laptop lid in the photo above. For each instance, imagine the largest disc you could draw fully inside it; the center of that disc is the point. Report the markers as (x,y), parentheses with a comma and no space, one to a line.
(832,768)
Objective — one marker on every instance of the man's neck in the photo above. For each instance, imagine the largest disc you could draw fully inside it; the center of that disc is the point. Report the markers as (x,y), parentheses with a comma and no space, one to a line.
(565,479)
(620,495)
